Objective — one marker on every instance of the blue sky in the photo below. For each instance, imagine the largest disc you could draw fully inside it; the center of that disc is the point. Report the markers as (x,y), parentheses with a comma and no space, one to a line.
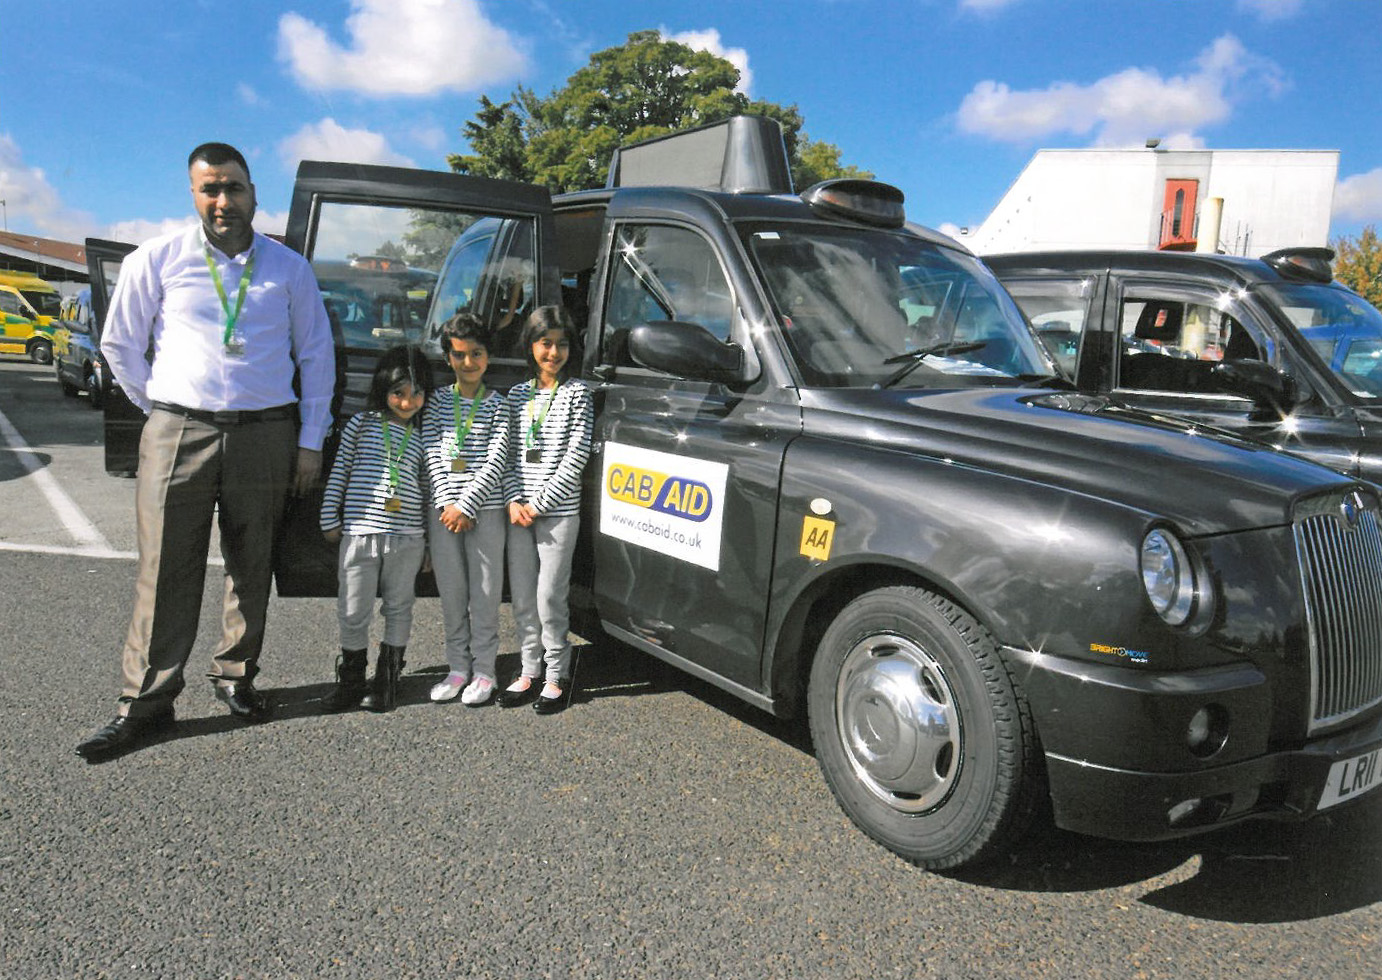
(100,100)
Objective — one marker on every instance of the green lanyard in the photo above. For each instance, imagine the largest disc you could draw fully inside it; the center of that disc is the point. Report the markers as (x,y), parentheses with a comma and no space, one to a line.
(245,277)
(388,453)
(462,432)
(535,423)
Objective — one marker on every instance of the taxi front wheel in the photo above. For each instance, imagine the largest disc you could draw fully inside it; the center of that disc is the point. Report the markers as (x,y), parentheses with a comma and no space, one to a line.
(920,732)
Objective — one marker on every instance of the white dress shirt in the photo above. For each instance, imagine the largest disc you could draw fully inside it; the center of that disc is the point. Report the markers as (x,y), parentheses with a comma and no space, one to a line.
(165,297)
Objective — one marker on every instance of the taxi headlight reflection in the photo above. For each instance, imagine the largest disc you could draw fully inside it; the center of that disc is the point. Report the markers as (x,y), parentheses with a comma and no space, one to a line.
(1168,577)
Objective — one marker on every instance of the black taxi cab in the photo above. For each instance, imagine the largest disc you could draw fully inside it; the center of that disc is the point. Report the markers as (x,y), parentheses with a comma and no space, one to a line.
(836,473)
(1271,348)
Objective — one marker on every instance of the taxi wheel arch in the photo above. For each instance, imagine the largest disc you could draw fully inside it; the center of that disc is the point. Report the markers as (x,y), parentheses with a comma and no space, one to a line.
(920,732)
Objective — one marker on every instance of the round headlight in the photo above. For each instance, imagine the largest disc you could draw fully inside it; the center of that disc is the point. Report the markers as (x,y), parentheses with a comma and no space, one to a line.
(1168,577)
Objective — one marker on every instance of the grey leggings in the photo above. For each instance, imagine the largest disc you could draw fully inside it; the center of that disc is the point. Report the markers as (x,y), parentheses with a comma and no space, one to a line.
(539,582)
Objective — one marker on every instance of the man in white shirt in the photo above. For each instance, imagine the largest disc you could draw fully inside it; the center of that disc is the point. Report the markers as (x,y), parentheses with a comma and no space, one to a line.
(227,315)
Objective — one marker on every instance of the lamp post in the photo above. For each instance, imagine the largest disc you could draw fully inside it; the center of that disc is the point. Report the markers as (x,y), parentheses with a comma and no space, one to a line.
(6,212)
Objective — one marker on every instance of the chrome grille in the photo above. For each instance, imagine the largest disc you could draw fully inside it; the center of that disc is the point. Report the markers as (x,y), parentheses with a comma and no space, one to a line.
(1340,549)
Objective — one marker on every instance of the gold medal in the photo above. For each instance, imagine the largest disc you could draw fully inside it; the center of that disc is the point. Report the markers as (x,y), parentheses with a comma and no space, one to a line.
(457,465)
(533,456)
(393,505)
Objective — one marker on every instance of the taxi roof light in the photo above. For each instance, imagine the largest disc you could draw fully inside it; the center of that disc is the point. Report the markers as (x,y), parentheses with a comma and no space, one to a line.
(1312,264)
(870,202)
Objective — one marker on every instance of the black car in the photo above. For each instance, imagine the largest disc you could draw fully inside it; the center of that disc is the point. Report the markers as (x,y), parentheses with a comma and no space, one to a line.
(76,351)
(1270,348)
(835,473)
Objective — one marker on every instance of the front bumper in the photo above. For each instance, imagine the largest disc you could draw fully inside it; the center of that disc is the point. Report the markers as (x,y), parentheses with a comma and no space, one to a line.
(1118,766)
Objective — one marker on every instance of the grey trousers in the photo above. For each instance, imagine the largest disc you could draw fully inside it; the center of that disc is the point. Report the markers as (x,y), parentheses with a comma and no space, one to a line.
(539,586)
(385,565)
(190,471)
(470,580)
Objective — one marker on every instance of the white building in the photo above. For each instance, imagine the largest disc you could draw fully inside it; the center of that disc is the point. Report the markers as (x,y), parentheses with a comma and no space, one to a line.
(1154,198)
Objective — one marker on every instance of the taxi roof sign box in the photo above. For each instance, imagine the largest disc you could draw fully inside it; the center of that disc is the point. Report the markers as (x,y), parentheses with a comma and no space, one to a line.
(742,155)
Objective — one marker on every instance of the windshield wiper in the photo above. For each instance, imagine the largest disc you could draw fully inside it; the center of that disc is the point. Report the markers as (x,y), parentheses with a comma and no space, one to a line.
(1058,381)
(913,358)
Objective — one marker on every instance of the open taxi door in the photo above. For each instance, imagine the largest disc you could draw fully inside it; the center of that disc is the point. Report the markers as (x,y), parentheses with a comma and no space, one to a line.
(396,253)
(123,422)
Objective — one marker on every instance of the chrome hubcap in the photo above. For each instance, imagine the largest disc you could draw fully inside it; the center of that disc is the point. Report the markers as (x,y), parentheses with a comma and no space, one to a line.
(897,720)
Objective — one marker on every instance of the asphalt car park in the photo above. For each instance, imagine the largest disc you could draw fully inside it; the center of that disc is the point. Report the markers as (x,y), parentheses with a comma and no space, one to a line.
(659,828)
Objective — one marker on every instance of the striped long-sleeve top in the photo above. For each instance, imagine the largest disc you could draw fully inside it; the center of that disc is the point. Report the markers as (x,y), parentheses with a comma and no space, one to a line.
(549,445)
(359,487)
(484,450)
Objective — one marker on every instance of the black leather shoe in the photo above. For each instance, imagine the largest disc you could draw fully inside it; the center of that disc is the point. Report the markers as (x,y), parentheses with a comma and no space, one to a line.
(123,734)
(243,700)
(513,699)
(550,706)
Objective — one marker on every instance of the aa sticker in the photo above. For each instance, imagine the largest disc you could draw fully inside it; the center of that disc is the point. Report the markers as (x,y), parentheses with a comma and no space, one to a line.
(816,537)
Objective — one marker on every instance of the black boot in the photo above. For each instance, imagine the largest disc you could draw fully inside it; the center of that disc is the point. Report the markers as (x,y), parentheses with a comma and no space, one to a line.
(383,693)
(350,682)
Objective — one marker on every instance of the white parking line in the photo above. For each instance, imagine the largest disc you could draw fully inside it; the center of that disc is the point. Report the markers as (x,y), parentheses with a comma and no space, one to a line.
(86,534)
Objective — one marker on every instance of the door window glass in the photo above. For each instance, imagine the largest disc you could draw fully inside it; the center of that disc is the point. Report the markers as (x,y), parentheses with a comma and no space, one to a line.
(1058,309)
(663,272)
(1172,342)
(379,269)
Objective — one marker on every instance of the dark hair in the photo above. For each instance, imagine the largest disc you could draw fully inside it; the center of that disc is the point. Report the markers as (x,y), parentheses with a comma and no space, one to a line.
(541,320)
(216,154)
(401,363)
(462,326)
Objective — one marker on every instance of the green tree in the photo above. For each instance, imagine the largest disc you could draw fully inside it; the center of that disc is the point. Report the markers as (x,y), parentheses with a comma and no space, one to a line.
(645,87)
(1358,264)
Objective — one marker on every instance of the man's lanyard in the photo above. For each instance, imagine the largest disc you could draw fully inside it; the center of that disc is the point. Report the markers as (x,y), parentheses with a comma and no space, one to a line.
(245,277)
(535,421)
(463,431)
(388,452)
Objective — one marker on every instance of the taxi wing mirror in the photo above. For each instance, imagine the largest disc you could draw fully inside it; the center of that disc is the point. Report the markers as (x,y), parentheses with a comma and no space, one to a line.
(1273,392)
(687,350)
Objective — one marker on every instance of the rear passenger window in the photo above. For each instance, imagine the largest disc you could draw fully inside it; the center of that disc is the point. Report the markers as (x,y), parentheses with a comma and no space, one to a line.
(1172,342)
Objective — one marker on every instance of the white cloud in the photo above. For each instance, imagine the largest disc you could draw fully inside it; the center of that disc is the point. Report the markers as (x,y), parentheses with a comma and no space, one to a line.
(709,40)
(1270,10)
(1125,108)
(329,140)
(247,94)
(32,203)
(401,47)
(1359,198)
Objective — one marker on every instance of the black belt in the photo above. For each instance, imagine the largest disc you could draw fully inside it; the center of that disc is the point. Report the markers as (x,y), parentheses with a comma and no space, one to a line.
(279,413)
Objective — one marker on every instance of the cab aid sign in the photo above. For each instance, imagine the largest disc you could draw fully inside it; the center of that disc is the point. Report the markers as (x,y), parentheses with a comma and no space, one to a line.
(670,504)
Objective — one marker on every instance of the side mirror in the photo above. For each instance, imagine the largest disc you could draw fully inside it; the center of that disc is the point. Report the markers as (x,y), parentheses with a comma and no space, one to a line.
(687,350)
(1273,392)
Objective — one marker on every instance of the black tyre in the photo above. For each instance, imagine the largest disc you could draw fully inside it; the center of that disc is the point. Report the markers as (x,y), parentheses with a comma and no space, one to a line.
(922,736)
(68,388)
(41,352)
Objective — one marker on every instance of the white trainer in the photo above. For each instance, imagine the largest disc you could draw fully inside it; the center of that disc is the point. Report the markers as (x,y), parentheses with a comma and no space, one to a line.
(450,687)
(478,692)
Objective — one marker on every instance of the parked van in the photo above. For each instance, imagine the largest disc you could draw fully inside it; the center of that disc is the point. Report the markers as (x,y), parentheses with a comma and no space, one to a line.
(28,308)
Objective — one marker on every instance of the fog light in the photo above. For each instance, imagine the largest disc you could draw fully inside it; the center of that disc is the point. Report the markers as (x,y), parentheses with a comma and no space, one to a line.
(1207,731)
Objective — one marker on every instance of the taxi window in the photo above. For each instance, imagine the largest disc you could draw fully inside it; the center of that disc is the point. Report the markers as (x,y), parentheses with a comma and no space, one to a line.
(380,269)
(1058,310)
(661,272)
(1171,341)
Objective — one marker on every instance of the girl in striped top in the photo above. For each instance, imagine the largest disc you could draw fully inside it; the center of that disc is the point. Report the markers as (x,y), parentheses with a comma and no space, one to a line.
(465,430)
(373,506)
(551,420)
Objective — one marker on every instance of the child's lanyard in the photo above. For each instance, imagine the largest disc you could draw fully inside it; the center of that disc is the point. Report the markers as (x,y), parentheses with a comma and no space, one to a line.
(463,431)
(535,421)
(394,461)
(245,277)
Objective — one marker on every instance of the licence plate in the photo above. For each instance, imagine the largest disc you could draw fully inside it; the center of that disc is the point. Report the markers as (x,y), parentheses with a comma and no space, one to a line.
(1352,777)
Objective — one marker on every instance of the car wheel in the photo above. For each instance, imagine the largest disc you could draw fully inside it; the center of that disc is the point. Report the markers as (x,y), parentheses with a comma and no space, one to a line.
(41,352)
(68,388)
(923,737)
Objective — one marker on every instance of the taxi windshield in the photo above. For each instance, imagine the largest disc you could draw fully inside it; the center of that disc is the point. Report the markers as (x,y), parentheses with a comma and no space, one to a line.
(1344,329)
(864,308)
